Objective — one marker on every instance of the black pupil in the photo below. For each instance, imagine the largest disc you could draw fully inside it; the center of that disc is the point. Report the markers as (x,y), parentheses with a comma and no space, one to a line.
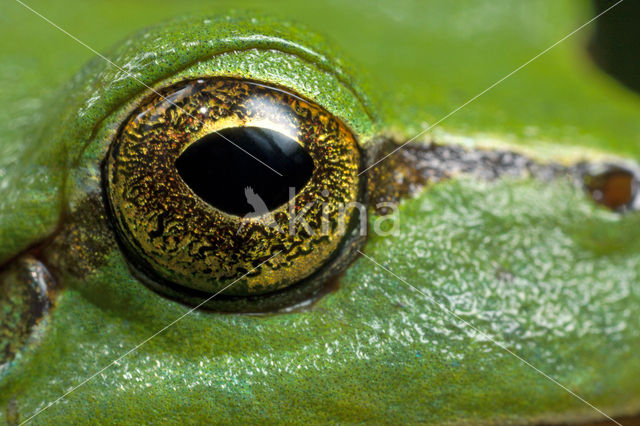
(242,170)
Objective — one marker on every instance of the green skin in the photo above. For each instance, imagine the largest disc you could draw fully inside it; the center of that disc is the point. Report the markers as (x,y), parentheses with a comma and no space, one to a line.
(535,265)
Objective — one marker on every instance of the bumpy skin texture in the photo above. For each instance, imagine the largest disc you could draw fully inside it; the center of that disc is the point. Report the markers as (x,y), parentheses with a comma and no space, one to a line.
(535,265)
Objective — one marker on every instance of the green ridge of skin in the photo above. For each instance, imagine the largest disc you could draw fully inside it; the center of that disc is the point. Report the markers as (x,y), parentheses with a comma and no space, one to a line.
(535,265)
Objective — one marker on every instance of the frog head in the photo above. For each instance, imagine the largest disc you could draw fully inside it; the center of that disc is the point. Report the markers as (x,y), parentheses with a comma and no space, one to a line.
(140,285)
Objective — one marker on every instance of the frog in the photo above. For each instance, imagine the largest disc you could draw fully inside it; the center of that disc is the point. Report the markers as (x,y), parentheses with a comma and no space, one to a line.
(504,290)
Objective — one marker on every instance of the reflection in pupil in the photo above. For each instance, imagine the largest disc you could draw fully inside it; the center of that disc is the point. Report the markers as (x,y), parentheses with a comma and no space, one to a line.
(232,179)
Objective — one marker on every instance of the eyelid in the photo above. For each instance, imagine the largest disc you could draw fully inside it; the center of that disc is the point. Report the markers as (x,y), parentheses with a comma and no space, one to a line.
(292,74)
(140,71)
(238,47)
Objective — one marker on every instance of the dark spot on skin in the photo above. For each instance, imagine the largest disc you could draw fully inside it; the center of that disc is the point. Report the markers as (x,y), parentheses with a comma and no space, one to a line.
(614,187)
(218,169)
(83,241)
(503,274)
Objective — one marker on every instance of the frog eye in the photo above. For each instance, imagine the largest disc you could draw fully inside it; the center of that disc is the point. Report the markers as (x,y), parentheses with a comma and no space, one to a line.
(219,181)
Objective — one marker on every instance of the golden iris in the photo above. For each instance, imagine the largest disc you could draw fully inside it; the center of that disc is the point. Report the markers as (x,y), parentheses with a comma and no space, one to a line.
(199,181)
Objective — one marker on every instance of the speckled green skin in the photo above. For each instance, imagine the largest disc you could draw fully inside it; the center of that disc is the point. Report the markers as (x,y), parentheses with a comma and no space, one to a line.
(536,266)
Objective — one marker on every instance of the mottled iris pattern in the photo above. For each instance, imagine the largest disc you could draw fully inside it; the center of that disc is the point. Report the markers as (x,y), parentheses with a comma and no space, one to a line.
(173,236)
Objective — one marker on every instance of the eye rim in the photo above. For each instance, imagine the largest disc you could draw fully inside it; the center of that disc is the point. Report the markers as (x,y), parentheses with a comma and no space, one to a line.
(304,287)
(297,61)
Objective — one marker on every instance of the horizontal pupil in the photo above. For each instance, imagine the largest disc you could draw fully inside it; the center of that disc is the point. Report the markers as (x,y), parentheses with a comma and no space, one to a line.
(242,170)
